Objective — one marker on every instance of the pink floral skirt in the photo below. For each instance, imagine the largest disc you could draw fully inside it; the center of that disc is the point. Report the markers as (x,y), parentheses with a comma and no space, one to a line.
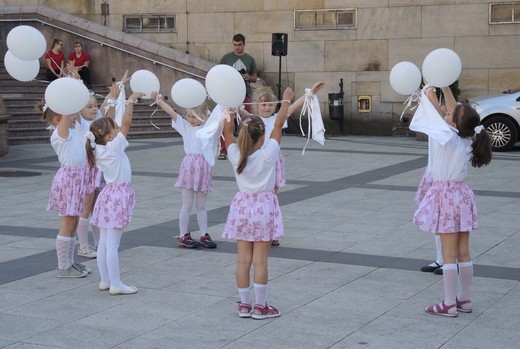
(96,180)
(254,217)
(68,190)
(194,174)
(114,206)
(447,207)
(424,186)
(280,172)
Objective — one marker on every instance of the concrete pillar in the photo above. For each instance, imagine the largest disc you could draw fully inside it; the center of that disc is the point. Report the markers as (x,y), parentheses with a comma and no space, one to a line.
(4,129)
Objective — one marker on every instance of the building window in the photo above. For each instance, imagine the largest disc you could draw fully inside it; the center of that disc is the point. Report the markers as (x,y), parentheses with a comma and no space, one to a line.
(325,19)
(149,23)
(504,13)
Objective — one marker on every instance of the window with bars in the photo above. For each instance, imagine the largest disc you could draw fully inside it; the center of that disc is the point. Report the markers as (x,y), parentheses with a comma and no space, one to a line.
(149,23)
(325,19)
(500,13)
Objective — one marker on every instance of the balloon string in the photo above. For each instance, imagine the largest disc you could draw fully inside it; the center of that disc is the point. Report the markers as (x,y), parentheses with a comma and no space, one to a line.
(151,122)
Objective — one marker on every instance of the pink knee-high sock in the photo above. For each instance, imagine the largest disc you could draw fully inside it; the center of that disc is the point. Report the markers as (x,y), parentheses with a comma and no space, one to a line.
(465,277)
(450,283)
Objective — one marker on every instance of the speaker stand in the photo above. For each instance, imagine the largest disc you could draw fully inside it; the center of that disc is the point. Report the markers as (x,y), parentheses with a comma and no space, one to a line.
(279,82)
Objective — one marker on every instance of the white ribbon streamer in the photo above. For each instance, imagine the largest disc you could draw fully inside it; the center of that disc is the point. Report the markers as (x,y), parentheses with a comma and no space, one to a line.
(316,129)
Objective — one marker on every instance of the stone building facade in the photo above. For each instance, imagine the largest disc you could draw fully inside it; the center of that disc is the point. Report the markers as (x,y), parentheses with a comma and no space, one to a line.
(385,33)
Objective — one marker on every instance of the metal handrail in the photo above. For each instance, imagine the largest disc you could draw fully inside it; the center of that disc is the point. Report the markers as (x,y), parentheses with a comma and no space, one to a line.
(102,44)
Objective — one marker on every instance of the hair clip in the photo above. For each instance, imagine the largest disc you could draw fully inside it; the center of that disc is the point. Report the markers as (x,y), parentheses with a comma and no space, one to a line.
(479,129)
(44,108)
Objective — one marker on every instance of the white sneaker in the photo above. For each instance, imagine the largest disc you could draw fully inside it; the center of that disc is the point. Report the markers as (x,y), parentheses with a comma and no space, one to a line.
(87,252)
(81,267)
(71,272)
(124,289)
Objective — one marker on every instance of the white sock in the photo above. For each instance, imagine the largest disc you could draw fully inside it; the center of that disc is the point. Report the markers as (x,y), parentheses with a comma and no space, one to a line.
(451,278)
(102,256)
(82,232)
(260,293)
(184,216)
(113,239)
(72,248)
(438,248)
(202,214)
(62,251)
(465,277)
(244,295)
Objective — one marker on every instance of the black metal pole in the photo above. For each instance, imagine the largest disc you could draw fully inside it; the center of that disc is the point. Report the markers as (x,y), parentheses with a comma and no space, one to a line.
(279,82)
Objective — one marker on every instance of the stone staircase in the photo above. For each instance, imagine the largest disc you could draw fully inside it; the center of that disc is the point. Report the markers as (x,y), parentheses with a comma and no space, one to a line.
(20,99)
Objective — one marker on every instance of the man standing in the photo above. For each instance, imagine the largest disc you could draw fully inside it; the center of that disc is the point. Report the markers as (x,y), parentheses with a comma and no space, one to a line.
(246,65)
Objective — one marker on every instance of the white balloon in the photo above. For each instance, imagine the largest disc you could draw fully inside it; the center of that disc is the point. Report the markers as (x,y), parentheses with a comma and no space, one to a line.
(146,82)
(21,70)
(225,85)
(188,93)
(405,78)
(66,96)
(26,43)
(441,67)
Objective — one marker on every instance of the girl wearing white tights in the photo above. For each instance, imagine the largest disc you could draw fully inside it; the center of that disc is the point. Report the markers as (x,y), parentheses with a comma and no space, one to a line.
(96,182)
(194,175)
(106,144)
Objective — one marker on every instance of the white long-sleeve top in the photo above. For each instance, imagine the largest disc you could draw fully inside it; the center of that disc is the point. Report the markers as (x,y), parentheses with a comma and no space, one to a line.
(449,152)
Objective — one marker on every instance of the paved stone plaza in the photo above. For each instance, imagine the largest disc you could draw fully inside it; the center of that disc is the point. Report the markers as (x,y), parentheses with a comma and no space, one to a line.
(345,276)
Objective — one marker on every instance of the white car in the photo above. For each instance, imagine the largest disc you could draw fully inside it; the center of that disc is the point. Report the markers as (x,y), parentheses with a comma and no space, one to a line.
(500,115)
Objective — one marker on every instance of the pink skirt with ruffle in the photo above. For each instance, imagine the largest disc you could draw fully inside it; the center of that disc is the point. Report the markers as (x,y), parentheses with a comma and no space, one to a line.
(68,191)
(194,174)
(254,217)
(280,172)
(424,185)
(447,207)
(114,206)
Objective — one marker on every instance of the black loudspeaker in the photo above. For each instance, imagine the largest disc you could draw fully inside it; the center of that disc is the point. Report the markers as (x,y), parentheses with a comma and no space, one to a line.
(279,45)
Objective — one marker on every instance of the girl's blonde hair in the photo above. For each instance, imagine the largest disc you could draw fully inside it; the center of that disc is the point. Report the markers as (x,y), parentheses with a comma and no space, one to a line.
(48,114)
(202,111)
(262,94)
(99,128)
(251,130)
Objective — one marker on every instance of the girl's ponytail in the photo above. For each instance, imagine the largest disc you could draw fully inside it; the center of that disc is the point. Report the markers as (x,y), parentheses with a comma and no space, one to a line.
(251,130)
(481,153)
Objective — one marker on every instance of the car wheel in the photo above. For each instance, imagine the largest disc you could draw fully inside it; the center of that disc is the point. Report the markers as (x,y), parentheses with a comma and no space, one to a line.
(502,131)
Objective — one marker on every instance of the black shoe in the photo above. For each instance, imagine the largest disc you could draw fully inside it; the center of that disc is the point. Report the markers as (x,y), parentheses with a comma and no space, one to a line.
(438,271)
(430,269)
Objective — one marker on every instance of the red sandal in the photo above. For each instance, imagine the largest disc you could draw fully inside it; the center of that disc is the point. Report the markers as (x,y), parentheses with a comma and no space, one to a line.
(442,309)
(261,312)
(244,310)
(464,306)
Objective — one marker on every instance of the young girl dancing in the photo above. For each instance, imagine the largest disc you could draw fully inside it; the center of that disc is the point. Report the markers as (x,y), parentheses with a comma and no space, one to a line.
(448,207)
(68,189)
(106,144)
(87,115)
(426,180)
(264,106)
(194,175)
(254,218)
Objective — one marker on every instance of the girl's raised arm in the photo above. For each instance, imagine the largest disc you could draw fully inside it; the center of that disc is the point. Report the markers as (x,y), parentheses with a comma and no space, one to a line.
(299,102)
(129,111)
(164,106)
(283,114)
